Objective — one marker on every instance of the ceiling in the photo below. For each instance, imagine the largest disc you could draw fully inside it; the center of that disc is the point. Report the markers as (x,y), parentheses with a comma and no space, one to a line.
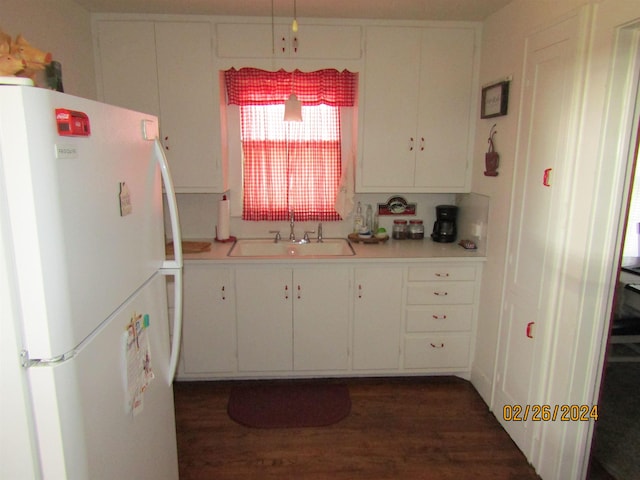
(461,10)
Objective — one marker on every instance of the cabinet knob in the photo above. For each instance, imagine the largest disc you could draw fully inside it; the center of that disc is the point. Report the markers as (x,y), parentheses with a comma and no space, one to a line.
(411,144)
(166,143)
(422,144)
(359,291)
(299,292)
(224,297)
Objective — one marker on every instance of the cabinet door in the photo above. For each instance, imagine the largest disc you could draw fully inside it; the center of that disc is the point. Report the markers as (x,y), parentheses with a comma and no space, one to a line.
(258,40)
(126,63)
(392,66)
(446,93)
(264,315)
(377,318)
(208,332)
(189,105)
(321,318)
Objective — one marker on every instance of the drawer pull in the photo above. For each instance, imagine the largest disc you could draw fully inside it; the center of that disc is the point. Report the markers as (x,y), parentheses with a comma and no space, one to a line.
(529,331)
(441,294)
(223,295)
(437,346)
(442,275)
(439,317)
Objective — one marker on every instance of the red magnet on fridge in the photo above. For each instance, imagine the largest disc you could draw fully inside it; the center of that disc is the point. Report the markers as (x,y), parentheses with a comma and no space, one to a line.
(72,124)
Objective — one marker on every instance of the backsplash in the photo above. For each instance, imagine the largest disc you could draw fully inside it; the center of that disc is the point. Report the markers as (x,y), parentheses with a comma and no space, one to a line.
(198,214)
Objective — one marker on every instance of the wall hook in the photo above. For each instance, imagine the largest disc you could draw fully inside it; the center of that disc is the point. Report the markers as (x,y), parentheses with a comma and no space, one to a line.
(491,158)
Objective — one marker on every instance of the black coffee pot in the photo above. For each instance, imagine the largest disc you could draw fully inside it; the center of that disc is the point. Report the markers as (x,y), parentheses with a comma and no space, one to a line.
(444,228)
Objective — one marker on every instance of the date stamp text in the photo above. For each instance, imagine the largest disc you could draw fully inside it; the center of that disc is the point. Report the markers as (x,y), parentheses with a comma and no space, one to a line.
(549,413)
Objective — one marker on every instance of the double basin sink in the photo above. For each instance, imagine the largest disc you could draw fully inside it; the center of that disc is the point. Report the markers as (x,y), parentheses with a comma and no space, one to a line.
(261,247)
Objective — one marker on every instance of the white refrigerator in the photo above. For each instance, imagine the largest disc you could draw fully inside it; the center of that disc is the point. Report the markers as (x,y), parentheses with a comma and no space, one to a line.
(88,352)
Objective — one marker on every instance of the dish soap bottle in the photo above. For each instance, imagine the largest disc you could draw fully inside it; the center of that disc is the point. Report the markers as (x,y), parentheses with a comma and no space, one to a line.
(358,220)
(369,218)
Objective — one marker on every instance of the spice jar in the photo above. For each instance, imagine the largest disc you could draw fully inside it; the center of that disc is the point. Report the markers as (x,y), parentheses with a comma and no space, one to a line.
(416,230)
(399,231)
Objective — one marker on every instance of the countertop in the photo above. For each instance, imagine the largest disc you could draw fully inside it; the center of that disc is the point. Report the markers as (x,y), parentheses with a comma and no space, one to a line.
(392,250)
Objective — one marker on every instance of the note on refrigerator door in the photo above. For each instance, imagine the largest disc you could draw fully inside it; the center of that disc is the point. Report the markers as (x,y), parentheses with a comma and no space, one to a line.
(137,355)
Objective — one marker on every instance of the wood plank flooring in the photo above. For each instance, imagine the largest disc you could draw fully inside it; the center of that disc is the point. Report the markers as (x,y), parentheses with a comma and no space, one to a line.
(400,428)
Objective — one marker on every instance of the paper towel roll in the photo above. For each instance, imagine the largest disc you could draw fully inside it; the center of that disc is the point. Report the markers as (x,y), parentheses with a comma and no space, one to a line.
(222,231)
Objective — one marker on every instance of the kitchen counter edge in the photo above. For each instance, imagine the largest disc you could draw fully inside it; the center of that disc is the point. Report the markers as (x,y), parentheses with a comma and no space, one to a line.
(392,251)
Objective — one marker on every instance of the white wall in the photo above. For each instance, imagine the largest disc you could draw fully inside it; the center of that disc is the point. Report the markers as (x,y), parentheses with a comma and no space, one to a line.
(60,27)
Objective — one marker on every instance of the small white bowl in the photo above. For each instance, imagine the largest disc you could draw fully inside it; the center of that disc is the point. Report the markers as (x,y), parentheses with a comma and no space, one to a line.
(365,235)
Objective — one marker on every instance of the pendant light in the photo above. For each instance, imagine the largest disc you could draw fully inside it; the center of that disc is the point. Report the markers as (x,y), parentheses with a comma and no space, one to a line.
(293,106)
(292,109)
(294,25)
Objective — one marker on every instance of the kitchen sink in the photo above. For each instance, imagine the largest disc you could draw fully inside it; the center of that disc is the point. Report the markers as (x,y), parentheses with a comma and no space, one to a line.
(266,247)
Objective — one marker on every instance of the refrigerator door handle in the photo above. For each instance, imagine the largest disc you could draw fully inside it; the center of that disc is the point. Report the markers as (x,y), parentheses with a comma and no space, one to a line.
(172,267)
(177,321)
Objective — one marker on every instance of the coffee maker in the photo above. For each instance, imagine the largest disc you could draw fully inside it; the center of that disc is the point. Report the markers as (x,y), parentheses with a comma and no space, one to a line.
(444,228)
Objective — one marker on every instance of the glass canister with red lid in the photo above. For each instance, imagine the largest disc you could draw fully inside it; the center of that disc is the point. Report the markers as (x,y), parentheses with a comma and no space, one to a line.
(399,231)
(416,230)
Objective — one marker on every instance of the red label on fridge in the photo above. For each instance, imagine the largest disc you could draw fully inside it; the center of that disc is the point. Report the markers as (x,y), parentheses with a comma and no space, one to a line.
(72,124)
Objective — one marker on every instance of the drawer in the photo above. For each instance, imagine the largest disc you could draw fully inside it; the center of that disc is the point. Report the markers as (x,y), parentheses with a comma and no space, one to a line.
(442,273)
(440,293)
(436,351)
(446,318)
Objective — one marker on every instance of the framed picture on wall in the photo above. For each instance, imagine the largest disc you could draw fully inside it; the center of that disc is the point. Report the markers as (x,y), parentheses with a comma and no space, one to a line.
(495,100)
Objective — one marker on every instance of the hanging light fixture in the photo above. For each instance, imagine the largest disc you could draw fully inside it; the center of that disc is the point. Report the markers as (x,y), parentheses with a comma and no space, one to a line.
(293,106)
(292,109)
(294,25)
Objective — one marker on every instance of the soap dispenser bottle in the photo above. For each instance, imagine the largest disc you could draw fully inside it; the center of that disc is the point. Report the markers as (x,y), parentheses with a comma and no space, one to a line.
(358,219)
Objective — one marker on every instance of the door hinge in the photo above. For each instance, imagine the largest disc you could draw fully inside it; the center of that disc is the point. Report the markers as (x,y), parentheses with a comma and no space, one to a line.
(24,359)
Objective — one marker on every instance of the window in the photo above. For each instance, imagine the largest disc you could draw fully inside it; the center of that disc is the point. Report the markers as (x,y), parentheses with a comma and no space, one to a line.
(290,165)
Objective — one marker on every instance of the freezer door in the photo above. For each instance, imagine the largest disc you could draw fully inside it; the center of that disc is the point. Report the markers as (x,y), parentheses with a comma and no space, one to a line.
(86,213)
(85,425)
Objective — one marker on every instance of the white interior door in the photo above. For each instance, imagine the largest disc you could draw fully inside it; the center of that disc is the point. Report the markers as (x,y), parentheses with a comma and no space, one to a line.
(536,229)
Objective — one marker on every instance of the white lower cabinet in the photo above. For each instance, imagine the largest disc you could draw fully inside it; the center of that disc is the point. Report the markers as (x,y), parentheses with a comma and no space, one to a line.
(209,321)
(292,319)
(377,318)
(334,319)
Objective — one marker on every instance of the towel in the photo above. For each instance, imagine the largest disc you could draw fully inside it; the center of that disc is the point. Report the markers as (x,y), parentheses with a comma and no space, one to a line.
(346,191)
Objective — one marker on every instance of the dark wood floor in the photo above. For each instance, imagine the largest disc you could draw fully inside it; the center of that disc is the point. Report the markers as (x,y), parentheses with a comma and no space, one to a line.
(418,428)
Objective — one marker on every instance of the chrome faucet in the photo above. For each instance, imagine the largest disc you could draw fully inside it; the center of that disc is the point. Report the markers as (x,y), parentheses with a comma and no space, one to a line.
(320,232)
(292,235)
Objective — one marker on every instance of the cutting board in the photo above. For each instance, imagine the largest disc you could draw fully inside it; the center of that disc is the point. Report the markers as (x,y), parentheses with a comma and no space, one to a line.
(190,247)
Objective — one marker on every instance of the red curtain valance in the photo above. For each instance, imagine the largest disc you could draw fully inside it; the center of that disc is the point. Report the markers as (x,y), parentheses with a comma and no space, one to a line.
(252,86)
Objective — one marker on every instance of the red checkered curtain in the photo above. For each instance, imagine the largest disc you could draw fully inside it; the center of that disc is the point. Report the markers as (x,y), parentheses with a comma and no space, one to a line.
(290,165)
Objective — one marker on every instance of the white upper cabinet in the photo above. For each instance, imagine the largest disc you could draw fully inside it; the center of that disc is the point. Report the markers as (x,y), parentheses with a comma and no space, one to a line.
(419,109)
(166,69)
(259,40)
